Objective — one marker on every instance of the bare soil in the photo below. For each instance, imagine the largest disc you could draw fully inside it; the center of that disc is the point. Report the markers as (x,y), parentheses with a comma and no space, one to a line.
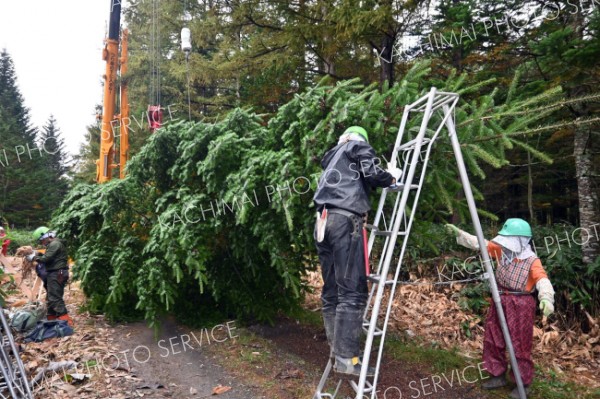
(169,369)
(396,380)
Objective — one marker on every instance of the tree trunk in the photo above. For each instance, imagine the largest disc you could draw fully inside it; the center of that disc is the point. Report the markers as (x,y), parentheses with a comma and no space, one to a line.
(589,216)
(387,60)
(530,190)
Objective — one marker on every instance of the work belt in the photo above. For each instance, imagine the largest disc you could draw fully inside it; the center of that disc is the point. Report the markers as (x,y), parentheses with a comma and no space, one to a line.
(57,270)
(518,293)
(504,291)
(344,212)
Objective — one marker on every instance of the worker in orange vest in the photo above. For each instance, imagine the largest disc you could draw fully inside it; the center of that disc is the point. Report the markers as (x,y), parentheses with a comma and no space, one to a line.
(519,273)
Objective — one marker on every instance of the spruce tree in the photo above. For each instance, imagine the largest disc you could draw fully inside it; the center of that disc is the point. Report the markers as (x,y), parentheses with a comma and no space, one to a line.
(56,164)
(20,174)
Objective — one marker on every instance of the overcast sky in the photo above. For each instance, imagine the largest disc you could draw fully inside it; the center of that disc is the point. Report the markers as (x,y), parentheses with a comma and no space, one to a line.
(56,47)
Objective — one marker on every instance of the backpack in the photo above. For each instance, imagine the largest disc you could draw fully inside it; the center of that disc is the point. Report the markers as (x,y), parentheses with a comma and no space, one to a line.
(26,318)
(40,270)
(49,329)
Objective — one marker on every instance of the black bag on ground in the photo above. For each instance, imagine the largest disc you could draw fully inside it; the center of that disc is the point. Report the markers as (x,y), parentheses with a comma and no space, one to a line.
(49,329)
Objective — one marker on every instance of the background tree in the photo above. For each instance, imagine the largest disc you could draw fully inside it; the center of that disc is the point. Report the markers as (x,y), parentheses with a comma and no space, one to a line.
(20,172)
(569,54)
(56,163)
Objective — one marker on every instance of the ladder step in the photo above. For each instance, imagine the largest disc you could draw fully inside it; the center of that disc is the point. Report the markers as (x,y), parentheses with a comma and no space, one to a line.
(378,232)
(368,386)
(387,233)
(377,333)
(409,145)
(375,278)
(400,187)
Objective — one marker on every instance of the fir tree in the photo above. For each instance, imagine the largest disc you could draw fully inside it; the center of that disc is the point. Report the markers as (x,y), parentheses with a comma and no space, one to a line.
(20,172)
(54,147)
(56,165)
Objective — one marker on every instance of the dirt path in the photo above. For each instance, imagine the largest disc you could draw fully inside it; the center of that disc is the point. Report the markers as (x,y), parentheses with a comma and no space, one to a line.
(176,365)
(397,379)
(126,361)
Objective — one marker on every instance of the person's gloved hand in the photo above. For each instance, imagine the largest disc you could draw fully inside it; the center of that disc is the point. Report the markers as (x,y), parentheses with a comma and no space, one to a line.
(546,307)
(452,229)
(395,172)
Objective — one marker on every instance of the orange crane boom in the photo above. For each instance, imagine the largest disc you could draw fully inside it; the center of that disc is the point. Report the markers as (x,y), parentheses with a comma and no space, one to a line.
(110,54)
(124,115)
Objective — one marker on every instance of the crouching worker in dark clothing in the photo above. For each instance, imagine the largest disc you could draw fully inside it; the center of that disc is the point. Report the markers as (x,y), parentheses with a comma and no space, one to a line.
(55,258)
(342,201)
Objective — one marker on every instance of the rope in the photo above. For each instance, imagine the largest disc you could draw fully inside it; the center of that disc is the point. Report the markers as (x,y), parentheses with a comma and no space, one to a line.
(154,95)
(187,62)
(480,278)
(158,79)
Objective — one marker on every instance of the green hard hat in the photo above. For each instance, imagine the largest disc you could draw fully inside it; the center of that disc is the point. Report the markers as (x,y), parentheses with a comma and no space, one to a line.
(358,130)
(39,232)
(516,227)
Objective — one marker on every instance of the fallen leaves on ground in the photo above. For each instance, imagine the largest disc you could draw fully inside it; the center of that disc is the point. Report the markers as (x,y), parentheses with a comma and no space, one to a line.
(431,313)
(83,365)
(219,389)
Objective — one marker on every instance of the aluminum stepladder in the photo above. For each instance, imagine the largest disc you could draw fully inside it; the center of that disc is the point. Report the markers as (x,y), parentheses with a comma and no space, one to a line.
(436,109)
(13,380)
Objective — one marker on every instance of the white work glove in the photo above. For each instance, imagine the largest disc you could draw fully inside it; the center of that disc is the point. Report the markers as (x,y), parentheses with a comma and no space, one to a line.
(395,172)
(452,229)
(463,238)
(31,256)
(545,296)
(546,307)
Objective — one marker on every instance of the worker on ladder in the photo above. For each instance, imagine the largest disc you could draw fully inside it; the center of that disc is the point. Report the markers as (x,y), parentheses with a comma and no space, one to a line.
(351,169)
(56,260)
(518,272)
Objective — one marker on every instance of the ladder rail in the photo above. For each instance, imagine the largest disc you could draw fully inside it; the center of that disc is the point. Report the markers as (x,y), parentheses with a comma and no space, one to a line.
(409,224)
(6,369)
(390,248)
(14,374)
(402,128)
(323,381)
(381,259)
(485,255)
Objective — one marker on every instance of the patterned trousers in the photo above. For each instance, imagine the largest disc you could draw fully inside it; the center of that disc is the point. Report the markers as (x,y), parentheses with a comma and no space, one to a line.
(519,311)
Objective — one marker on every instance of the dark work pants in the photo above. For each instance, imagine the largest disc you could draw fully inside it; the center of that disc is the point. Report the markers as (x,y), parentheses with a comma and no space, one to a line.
(345,291)
(55,289)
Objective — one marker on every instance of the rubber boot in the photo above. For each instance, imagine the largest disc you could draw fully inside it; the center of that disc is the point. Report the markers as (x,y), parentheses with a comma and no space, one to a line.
(515,392)
(329,322)
(495,382)
(348,326)
(351,367)
(67,318)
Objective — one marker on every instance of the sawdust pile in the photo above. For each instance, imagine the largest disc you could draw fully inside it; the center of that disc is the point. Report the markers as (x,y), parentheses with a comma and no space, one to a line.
(430,316)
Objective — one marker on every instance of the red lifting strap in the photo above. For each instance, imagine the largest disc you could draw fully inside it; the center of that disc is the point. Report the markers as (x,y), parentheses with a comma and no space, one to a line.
(155,117)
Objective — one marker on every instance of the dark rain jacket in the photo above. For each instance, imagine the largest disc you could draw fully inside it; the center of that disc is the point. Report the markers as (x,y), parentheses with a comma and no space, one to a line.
(351,169)
(55,257)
